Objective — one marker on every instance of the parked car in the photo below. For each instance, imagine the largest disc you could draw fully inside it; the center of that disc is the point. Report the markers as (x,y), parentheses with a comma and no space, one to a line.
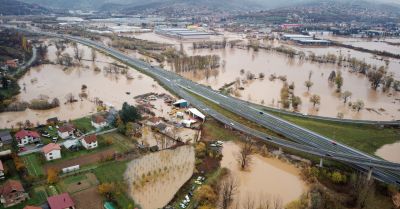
(39,145)
(22,149)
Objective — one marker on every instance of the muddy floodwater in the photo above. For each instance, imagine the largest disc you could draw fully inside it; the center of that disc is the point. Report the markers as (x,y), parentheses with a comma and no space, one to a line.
(155,178)
(390,152)
(378,105)
(54,81)
(266,177)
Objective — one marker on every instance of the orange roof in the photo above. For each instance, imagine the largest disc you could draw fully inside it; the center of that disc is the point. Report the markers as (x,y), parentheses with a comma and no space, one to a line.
(98,119)
(50,147)
(11,185)
(90,138)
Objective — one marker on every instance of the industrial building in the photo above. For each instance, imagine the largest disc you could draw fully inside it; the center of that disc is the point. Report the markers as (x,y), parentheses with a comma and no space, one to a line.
(182,33)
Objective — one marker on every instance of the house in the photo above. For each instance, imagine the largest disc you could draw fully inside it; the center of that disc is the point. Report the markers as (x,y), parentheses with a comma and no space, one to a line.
(32,207)
(5,137)
(52,121)
(25,137)
(61,201)
(52,151)
(99,121)
(1,170)
(89,142)
(12,63)
(12,192)
(66,131)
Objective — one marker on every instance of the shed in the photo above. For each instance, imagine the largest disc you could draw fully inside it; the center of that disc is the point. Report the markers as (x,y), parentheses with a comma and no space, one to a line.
(181,103)
(5,137)
(196,113)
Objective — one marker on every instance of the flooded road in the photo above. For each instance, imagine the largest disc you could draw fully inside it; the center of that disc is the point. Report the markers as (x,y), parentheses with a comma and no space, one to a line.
(155,178)
(267,177)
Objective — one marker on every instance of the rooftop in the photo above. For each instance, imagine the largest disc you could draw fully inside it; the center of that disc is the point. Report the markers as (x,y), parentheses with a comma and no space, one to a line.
(61,201)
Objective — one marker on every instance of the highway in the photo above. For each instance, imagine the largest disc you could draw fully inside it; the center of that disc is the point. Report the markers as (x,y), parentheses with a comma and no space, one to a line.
(303,140)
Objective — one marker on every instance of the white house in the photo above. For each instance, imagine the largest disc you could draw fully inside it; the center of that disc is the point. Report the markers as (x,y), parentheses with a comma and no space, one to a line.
(52,151)
(89,142)
(25,137)
(66,131)
(99,121)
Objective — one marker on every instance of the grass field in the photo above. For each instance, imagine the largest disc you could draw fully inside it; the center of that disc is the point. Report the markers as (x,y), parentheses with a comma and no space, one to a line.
(84,124)
(114,172)
(213,130)
(32,162)
(120,142)
(367,138)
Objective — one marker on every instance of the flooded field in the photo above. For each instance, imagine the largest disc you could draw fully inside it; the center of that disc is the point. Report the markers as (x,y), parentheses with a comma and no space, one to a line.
(54,81)
(390,152)
(378,105)
(155,178)
(266,178)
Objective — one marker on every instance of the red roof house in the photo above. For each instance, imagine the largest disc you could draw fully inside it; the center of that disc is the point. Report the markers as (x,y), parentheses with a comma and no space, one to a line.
(62,201)
(24,137)
(12,192)
(52,151)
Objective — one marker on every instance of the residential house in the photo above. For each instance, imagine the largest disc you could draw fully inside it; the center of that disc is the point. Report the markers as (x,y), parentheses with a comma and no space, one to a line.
(1,170)
(12,192)
(25,137)
(12,63)
(66,131)
(61,201)
(99,121)
(52,121)
(5,137)
(89,142)
(52,151)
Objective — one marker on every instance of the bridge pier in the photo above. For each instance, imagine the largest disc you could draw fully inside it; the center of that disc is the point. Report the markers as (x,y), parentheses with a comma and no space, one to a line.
(369,173)
(321,162)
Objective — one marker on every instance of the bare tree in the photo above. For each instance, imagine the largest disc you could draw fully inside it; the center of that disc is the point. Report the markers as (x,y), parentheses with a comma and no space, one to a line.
(78,53)
(93,55)
(228,189)
(244,155)
(346,96)
(363,190)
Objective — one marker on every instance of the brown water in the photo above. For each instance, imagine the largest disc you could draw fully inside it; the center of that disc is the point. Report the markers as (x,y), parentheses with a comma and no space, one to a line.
(155,178)
(267,177)
(390,152)
(381,106)
(54,81)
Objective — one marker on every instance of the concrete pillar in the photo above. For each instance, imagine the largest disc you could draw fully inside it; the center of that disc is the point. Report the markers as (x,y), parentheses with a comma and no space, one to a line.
(321,162)
(369,174)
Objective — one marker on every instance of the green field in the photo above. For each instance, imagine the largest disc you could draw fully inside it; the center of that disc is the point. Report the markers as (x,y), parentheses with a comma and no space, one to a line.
(84,124)
(120,142)
(367,138)
(114,172)
(33,164)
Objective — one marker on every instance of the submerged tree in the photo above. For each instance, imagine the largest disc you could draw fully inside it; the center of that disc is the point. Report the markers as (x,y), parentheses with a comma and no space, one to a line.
(315,99)
(346,96)
(244,155)
(339,81)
